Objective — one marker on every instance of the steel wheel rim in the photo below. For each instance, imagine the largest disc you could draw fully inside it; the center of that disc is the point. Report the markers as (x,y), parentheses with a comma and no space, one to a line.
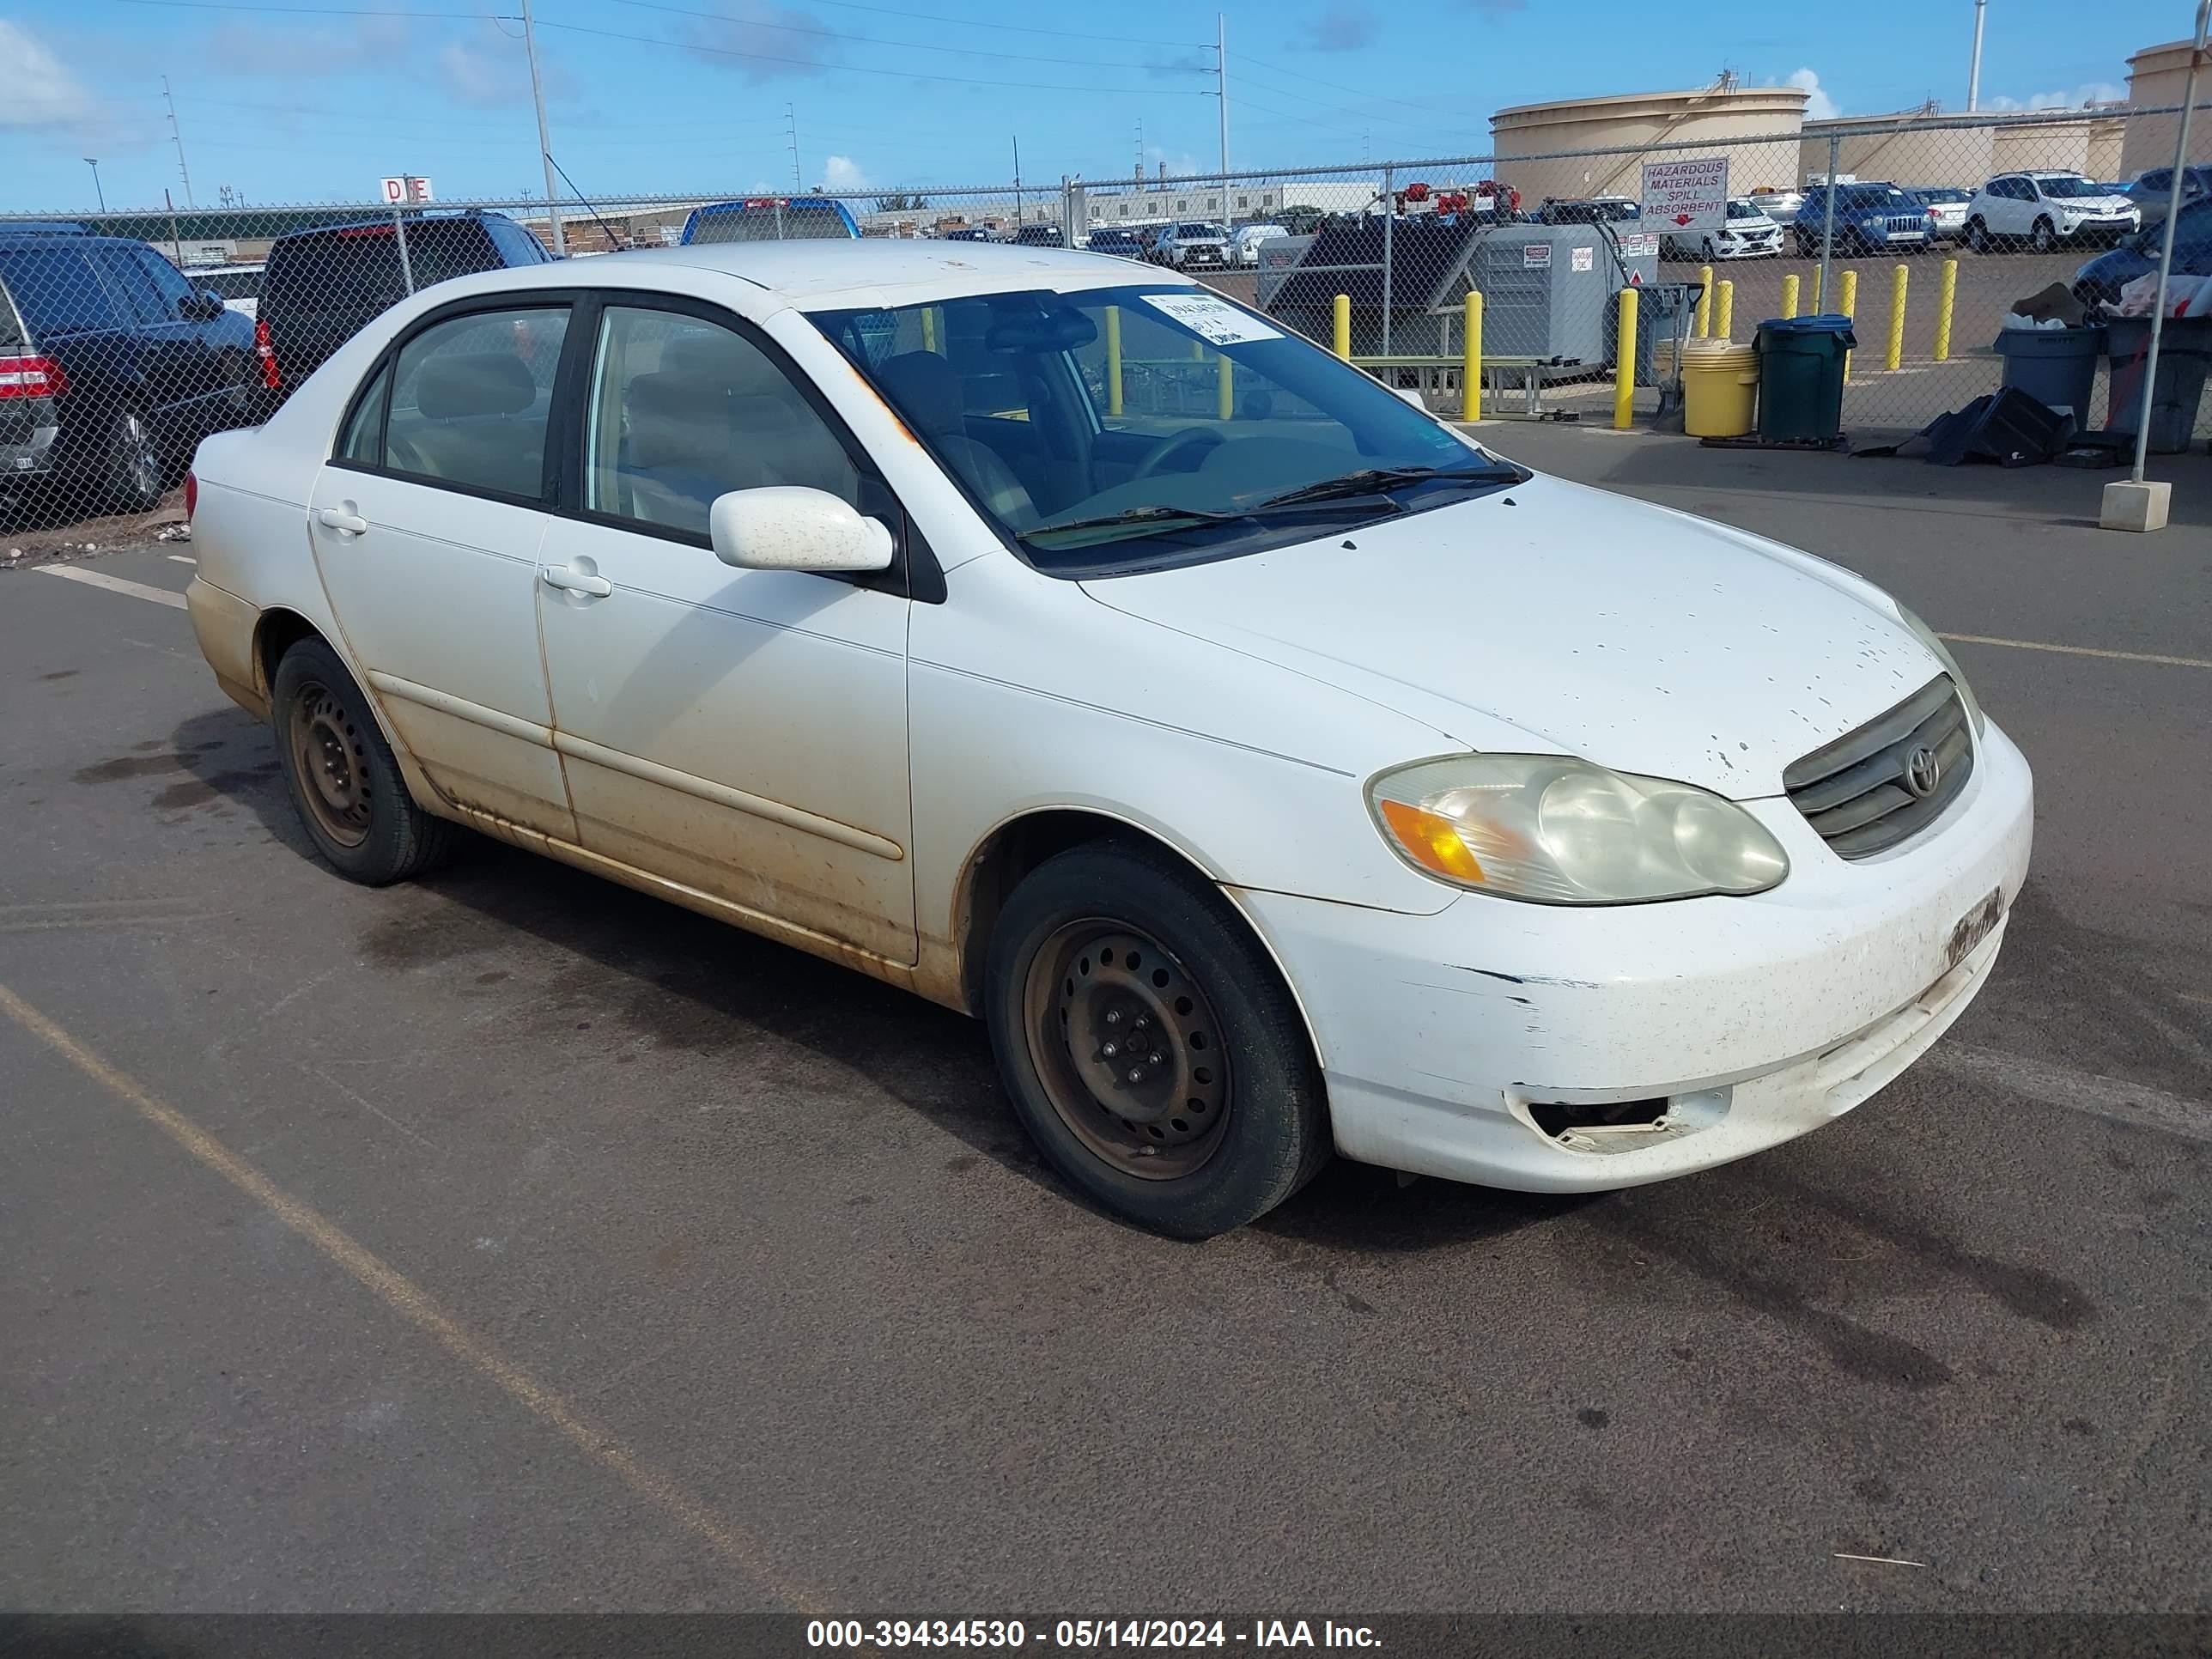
(142,467)
(332,760)
(1157,1105)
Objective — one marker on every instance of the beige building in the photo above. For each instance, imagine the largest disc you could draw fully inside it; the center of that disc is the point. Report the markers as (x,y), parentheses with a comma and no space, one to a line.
(1658,126)
(2156,77)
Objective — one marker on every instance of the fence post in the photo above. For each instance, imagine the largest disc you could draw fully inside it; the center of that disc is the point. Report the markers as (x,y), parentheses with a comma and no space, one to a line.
(1828,213)
(1849,308)
(1790,295)
(1389,234)
(1725,311)
(1470,368)
(1623,372)
(1944,302)
(1343,319)
(1113,358)
(1704,302)
(1896,321)
(406,266)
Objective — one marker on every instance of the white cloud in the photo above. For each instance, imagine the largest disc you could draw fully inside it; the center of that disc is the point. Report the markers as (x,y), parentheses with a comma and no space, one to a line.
(844,172)
(1818,106)
(761,41)
(2090,92)
(41,92)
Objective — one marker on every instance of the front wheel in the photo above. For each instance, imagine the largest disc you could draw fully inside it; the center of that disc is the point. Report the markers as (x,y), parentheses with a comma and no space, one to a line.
(2042,239)
(1978,236)
(134,463)
(1150,1048)
(346,784)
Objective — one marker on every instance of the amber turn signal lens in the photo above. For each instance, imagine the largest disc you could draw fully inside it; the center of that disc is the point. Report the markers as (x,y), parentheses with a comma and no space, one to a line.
(1431,839)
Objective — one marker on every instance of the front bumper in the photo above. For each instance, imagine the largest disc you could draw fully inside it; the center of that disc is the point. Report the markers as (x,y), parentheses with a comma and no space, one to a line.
(1755,1020)
(1762,247)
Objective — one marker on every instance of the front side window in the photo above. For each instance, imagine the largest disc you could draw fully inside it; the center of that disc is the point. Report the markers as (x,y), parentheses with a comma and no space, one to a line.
(134,284)
(1122,429)
(470,398)
(683,410)
(170,283)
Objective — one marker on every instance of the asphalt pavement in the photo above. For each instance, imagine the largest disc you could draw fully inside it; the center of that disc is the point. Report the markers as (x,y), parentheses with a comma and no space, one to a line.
(512,1241)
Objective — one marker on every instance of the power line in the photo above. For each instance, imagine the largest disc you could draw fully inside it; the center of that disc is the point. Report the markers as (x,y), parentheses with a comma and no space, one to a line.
(1338,86)
(1458,136)
(1011,28)
(910,46)
(856,69)
(303,11)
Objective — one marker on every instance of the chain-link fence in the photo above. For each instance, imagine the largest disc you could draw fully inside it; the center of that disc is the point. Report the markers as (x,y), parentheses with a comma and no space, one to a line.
(125,338)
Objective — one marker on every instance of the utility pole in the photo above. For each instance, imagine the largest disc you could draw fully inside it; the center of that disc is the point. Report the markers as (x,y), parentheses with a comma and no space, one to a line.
(93,162)
(177,133)
(544,140)
(1974,68)
(790,127)
(1221,74)
(1018,181)
(1140,152)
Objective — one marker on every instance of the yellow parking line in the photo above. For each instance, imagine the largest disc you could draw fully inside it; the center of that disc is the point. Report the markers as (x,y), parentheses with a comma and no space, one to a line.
(400,1294)
(2080,651)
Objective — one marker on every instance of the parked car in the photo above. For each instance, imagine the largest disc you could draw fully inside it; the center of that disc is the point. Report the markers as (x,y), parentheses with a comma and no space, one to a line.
(770,219)
(1596,209)
(1244,242)
(1869,217)
(2150,192)
(972,234)
(320,286)
(1748,234)
(1039,236)
(2039,211)
(1779,205)
(1192,244)
(1078,728)
(239,285)
(1121,244)
(112,365)
(1947,209)
(2100,282)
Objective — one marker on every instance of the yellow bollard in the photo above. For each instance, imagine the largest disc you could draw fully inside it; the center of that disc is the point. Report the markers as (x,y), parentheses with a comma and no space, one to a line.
(1344,327)
(929,328)
(1789,295)
(1470,368)
(1943,304)
(1623,373)
(1850,308)
(1896,321)
(1819,285)
(1704,302)
(1113,359)
(1224,388)
(1724,311)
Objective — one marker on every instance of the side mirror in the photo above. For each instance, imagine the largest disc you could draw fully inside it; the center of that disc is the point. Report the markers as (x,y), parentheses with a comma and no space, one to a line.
(787,527)
(203,307)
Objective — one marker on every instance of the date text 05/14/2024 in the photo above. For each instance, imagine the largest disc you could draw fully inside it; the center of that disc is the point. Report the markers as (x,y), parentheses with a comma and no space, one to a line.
(1087,1634)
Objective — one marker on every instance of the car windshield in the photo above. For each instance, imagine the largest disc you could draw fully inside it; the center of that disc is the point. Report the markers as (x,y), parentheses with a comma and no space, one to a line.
(1744,210)
(1199,230)
(1876,196)
(1126,428)
(2058,190)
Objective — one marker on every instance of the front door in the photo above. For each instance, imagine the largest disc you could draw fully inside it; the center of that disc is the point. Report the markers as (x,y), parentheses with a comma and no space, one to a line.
(427,525)
(740,731)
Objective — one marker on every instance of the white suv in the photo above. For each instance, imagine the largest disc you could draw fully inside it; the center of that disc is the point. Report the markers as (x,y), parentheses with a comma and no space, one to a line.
(1192,245)
(2039,211)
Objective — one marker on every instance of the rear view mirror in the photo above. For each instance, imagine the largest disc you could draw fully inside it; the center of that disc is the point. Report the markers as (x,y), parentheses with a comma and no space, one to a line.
(787,527)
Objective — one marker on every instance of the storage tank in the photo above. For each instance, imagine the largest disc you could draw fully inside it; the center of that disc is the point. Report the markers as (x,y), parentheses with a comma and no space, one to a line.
(2155,77)
(1884,148)
(1647,127)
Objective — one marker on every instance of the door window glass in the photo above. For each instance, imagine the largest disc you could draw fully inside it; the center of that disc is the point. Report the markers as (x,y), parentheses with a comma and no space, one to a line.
(363,442)
(683,410)
(471,399)
(135,285)
(168,279)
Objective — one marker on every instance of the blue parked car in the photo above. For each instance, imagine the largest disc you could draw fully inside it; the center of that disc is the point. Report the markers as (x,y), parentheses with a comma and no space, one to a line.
(2100,282)
(1869,219)
(2151,191)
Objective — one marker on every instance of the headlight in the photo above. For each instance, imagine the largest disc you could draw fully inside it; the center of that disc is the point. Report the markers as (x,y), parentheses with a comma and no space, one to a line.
(1926,635)
(1558,830)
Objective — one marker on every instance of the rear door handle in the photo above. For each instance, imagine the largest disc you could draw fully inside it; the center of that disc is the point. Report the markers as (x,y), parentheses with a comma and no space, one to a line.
(348,524)
(575,582)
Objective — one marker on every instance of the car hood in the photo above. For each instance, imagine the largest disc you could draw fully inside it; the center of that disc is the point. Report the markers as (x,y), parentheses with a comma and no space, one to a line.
(1552,617)
(2094,204)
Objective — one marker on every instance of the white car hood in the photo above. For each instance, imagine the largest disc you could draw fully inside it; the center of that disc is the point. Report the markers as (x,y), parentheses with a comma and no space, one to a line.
(1570,621)
(2078,205)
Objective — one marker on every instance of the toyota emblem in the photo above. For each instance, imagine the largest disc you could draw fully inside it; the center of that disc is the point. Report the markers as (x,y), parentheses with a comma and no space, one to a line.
(1923,772)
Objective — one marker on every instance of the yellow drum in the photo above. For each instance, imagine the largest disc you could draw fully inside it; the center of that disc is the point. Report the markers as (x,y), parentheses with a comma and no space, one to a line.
(1720,388)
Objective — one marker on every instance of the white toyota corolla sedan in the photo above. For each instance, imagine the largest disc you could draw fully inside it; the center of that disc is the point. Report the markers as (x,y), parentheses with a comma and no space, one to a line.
(1274,769)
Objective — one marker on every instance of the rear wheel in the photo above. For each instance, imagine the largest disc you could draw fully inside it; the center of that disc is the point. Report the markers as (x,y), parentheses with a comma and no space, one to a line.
(134,463)
(1978,235)
(345,783)
(1151,1049)
(234,374)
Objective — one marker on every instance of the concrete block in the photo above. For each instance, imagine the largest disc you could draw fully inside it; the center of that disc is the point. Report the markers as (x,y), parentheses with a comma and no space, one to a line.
(2139,506)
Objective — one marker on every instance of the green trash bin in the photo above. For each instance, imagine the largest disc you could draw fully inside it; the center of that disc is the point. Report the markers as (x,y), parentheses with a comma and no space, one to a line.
(1801,378)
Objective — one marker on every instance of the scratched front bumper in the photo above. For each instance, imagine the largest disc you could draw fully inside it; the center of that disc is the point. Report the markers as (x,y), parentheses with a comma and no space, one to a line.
(1758,1018)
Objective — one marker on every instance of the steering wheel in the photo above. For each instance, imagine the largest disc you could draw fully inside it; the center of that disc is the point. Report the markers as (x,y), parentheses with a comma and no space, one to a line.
(1191,437)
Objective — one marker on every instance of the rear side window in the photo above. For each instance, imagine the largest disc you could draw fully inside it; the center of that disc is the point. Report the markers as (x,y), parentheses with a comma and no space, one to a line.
(363,440)
(470,398)
(517,245)
(56,292)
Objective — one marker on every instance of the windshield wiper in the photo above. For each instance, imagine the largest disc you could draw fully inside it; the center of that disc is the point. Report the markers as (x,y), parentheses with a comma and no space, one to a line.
(1136,517)
(1374,480)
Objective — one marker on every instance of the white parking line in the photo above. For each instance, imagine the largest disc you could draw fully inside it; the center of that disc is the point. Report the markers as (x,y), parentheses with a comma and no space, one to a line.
(2079,650)
(2132,1103)
(182,558)
(113,584)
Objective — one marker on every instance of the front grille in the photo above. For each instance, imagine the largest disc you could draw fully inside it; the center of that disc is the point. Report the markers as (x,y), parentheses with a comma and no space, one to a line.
(1858,792)
(1905,226)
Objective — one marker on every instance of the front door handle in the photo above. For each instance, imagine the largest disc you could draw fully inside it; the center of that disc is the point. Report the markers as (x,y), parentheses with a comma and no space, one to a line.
(575,582)
(345,523)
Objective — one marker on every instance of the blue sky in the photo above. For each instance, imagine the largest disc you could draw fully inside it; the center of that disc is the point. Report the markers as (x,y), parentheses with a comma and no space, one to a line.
(305,100)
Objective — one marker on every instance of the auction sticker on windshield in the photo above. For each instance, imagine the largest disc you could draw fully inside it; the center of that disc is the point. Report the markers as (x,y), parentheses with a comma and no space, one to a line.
(1216,321)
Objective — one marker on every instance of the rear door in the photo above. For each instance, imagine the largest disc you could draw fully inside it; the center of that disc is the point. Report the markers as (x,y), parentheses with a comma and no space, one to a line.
(427,525)
(322,288)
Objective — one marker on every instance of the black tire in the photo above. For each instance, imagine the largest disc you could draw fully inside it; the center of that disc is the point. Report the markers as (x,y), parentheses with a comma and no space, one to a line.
(2042,238)
(1706,248)
(241,388)
(1978,235)
(1268,1133)
(133,463)
(360,815)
